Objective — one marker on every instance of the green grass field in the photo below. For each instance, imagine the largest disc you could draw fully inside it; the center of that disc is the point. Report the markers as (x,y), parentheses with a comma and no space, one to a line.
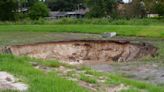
(122,30)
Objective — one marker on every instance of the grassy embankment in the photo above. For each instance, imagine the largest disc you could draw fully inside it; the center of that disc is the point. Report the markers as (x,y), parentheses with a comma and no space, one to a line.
(37,80)
(40,81)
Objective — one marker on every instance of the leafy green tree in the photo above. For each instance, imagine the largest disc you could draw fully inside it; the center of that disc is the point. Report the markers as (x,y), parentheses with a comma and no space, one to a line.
(133,9)
(101,8)
(111,7)
(8,10)
(31,2)
(97,8)
(149,4)
(136,9)
(64,5)
(159,8)
(38,10)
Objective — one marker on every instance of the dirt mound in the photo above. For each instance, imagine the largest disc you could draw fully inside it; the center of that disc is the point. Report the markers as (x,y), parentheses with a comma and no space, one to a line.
(84,51)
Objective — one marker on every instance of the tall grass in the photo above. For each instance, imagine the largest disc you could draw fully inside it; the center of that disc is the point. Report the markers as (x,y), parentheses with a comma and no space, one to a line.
(100,21)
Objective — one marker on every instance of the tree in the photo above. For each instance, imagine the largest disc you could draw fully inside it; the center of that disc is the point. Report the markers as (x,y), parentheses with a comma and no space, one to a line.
(8,10)
(138,9)
(101,8)
(97,8)
(111,7)
(64,5)
(159,8)
(31,2)
(142,9)
(149,4)
(134,9)
(38,10)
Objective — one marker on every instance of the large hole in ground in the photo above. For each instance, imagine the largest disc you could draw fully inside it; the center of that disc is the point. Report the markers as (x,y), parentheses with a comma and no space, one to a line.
(84,51)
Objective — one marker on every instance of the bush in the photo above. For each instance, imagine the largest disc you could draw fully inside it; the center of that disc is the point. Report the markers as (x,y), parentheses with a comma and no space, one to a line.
(38,10)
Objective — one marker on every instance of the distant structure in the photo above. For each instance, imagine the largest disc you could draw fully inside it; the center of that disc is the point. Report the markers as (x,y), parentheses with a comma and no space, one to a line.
(150,15)
(68,14)
(24,7)
(42,0)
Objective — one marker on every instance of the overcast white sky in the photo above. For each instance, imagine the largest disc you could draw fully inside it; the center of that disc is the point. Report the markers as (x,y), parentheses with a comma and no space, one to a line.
(126,1)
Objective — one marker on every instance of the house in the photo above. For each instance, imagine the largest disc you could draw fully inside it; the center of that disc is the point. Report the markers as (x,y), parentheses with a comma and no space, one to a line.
(151,15)
(68,14)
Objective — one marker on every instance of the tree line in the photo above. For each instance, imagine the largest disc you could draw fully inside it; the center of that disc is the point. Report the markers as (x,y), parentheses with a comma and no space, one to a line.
(15,9)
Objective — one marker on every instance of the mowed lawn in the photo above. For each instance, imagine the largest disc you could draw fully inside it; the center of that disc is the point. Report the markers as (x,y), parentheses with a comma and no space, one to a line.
(122,30)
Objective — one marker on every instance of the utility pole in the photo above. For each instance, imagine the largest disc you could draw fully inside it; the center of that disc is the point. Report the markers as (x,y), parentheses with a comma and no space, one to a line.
(78,6)
(18,6)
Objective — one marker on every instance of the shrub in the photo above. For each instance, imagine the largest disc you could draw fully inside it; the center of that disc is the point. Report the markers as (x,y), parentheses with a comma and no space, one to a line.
(38,10)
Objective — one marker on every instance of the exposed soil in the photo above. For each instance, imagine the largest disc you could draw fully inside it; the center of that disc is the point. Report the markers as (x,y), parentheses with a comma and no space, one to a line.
(74,74)
(9,82)
(149,72)
(84,51)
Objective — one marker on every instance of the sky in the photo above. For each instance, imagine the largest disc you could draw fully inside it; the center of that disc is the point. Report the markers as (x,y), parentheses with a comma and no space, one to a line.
(126,1)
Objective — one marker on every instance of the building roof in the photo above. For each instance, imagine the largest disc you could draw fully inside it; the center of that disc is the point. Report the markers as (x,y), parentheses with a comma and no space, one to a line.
(62,14)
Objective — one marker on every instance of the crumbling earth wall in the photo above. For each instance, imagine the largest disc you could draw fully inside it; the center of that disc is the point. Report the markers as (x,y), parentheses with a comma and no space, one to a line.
(84,51)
